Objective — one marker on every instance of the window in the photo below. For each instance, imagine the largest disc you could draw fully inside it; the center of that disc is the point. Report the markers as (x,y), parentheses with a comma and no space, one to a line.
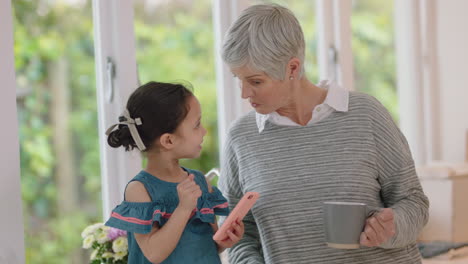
(56,96)
(175,42)
(374,51)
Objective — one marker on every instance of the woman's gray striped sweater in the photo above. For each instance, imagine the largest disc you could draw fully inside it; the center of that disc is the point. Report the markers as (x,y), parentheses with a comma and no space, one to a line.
(356,156)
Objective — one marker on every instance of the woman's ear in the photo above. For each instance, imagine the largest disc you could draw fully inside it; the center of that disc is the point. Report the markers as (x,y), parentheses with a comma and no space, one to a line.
(167,141)
(293,69)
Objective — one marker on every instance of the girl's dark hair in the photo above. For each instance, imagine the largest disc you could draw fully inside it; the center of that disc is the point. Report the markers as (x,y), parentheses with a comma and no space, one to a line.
(161,108)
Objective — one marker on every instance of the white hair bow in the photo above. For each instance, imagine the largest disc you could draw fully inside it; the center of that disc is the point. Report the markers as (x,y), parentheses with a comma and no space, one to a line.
(125,119)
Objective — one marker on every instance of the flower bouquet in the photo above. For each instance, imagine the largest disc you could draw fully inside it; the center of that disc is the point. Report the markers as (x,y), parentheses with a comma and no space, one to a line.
(110,245)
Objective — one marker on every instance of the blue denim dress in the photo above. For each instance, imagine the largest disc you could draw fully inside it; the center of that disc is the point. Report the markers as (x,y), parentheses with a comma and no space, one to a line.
(196,244)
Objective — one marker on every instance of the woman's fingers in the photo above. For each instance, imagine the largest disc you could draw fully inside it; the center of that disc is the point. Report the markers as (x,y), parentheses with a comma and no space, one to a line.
(378,229)
(370,234)
(364,240)
(386,215)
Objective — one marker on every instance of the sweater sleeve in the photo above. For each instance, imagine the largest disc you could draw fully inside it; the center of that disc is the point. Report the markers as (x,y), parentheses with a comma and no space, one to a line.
(249,249)
(400,186)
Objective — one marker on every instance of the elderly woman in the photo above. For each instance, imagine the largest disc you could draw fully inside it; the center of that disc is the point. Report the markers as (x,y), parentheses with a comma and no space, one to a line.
(305,144)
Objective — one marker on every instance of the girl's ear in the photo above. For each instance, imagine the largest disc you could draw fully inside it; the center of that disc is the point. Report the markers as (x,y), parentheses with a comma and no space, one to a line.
(167,141)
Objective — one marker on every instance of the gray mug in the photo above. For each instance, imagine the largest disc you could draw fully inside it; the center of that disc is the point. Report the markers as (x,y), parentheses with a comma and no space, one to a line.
(344,223)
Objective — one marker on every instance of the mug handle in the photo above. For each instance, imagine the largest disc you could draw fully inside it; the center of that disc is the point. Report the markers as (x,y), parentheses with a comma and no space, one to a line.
(372,210)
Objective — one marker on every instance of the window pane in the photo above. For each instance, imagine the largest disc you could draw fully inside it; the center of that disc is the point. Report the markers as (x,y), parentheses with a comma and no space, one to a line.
(175,43)
(374,51)
(305,13)
(56,96)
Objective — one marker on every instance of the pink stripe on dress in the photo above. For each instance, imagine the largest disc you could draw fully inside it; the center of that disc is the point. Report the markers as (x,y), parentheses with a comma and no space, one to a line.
(206,211)
(131,219)
(163,214)
(223,205)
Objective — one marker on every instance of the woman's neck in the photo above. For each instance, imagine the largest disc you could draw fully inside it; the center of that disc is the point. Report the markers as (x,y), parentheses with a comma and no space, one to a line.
(165,167)
(305,96)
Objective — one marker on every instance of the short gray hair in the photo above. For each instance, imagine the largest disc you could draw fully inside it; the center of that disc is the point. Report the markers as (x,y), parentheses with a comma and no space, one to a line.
(265,37)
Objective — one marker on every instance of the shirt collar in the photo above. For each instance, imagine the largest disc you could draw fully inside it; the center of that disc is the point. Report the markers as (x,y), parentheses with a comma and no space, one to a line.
(337,98)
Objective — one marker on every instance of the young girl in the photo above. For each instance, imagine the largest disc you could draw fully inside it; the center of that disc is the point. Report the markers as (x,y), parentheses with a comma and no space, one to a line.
(168,211)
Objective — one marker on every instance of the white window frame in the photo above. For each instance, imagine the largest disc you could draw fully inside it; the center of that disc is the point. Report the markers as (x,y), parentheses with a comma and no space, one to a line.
(417,78)
(431,114)
(409,72)
(113,31)
(335,56)
(12,230)
(230,104)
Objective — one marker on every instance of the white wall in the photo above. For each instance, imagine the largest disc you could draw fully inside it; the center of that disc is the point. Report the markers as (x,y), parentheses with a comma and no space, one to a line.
(452,49)
(11,220)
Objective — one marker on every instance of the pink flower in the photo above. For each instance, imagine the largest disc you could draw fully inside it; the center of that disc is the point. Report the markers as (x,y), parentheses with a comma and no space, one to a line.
(114,233)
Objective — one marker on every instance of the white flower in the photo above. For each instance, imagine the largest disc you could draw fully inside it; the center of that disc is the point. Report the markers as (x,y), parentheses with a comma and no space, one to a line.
(120,245)
(88,241)
(104,229)
(102,237)
(107,255)
(93,255)
(120,255)
(89,230)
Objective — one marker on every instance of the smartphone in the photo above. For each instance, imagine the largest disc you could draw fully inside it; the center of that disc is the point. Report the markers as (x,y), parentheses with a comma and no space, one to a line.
(239,212)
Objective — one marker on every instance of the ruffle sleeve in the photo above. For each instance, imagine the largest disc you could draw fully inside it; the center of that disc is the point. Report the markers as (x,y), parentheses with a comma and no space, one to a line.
(137,217)
(212,204)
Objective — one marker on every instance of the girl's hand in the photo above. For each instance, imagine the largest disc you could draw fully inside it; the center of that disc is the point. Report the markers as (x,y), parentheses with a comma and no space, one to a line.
(379,228)
(235,234)
(189,192)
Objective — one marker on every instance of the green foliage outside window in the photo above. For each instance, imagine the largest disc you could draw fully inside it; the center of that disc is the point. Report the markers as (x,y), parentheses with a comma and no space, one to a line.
(374,51)
(175,43)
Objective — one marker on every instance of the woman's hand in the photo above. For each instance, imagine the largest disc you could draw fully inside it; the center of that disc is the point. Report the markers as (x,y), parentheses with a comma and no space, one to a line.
(379,228)
(189,192)
(235,234)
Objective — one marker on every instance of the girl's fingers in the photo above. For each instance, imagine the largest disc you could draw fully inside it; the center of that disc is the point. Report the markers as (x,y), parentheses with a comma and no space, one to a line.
(237,227)
(191,177)
(232,236)
(188,182)
(241,223)
(194,189)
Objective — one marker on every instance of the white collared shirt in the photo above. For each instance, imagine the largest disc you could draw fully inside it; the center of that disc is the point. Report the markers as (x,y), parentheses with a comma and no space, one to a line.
(337,99)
